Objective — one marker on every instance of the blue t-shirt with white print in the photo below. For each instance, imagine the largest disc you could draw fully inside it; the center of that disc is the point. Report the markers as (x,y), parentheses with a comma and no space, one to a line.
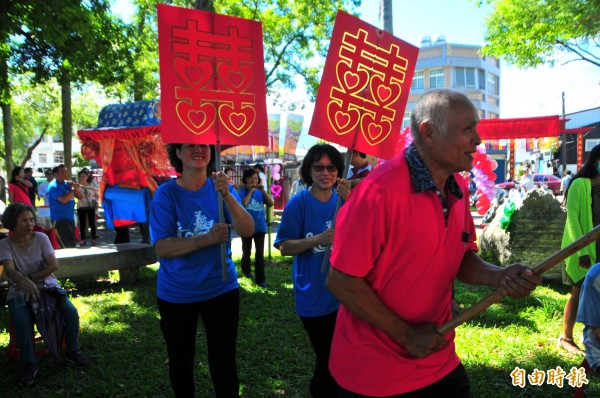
(256,208)
(197,276)
(305,216)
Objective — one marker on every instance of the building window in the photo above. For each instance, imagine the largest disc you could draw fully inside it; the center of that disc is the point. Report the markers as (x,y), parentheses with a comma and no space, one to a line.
(42,158)
(591,143)
(470,77)
(459,77)
(492,81)
(59,157)
(436,78)
(406,120)
(467,77)
(481,80)
(418,82)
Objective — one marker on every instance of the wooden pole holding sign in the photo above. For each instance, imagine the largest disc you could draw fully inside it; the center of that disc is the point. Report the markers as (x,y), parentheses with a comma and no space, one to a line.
(337,207)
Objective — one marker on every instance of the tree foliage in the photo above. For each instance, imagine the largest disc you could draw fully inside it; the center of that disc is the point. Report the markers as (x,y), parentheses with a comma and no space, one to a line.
(529,33)
(36,113)
(72,41)
(141,71)
(295,33)
(60,43)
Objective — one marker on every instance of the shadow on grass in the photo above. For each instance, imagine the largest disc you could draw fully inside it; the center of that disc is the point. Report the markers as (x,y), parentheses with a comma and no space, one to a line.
(497,382)
(122,338)
(500,314)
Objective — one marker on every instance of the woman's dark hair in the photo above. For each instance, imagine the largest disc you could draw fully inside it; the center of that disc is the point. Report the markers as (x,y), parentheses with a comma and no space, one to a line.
(89,177)
(12,212)
(178,165)
(589,168)
(315,153)
(15,173)
(248,173)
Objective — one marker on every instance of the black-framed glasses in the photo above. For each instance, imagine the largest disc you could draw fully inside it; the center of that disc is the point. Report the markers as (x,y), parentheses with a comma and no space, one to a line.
(332,168)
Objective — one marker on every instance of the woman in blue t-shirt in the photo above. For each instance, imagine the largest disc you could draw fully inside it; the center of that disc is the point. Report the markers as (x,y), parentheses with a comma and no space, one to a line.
(254,198)
(187,235)
(305,232)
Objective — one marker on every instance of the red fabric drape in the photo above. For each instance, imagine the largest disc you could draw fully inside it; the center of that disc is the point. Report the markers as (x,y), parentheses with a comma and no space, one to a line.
(125,133)
(129,156)
(530,127)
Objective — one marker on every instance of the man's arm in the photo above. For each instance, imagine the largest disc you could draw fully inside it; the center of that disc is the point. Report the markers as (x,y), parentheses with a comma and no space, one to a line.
(292,247)
(358,298)
(515,280)
(66,198)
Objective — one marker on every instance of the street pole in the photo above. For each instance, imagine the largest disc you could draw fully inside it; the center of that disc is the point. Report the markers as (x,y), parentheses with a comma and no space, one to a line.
(388,19)
(563,137)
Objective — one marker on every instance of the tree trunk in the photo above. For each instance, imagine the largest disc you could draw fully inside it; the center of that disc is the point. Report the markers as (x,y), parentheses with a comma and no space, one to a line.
(67,120)
(138,76)
(205,5)
(6,116)
(388,20)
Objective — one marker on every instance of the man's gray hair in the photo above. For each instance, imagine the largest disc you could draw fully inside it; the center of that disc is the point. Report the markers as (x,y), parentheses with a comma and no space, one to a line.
(434,108)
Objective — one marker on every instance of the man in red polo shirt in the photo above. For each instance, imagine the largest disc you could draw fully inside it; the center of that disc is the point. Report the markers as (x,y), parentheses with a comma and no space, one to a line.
(395,279)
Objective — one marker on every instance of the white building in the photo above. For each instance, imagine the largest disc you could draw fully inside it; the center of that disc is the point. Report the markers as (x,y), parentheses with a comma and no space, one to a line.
(459,67)
(51,152)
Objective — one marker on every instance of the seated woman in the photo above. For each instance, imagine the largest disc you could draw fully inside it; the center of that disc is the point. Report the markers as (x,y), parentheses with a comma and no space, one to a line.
(29,261)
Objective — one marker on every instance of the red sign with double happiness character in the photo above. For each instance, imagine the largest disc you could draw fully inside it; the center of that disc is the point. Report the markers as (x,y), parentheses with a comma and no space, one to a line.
(364,89)
(212,78)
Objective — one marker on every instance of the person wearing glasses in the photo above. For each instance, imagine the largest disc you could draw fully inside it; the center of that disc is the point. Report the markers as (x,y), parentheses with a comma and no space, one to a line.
(305,232)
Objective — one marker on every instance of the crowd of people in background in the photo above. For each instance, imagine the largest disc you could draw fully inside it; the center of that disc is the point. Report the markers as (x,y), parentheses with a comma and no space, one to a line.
(57,194)
(369,336)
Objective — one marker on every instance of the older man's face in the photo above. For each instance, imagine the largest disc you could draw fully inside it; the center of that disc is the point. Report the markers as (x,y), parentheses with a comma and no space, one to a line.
(453,152)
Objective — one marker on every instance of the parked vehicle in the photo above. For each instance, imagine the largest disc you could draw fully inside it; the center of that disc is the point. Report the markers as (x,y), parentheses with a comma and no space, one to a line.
(548,181)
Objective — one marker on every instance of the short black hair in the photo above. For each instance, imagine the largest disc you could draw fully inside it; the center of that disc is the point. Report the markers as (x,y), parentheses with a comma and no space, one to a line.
(249,173)
(315,153)
(60,166)
(12,212)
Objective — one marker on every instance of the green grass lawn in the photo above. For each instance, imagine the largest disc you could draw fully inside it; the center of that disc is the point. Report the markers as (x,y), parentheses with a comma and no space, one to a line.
(121,336)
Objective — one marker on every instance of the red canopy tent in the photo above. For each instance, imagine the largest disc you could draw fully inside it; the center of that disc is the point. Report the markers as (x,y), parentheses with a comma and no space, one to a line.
(531,127)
